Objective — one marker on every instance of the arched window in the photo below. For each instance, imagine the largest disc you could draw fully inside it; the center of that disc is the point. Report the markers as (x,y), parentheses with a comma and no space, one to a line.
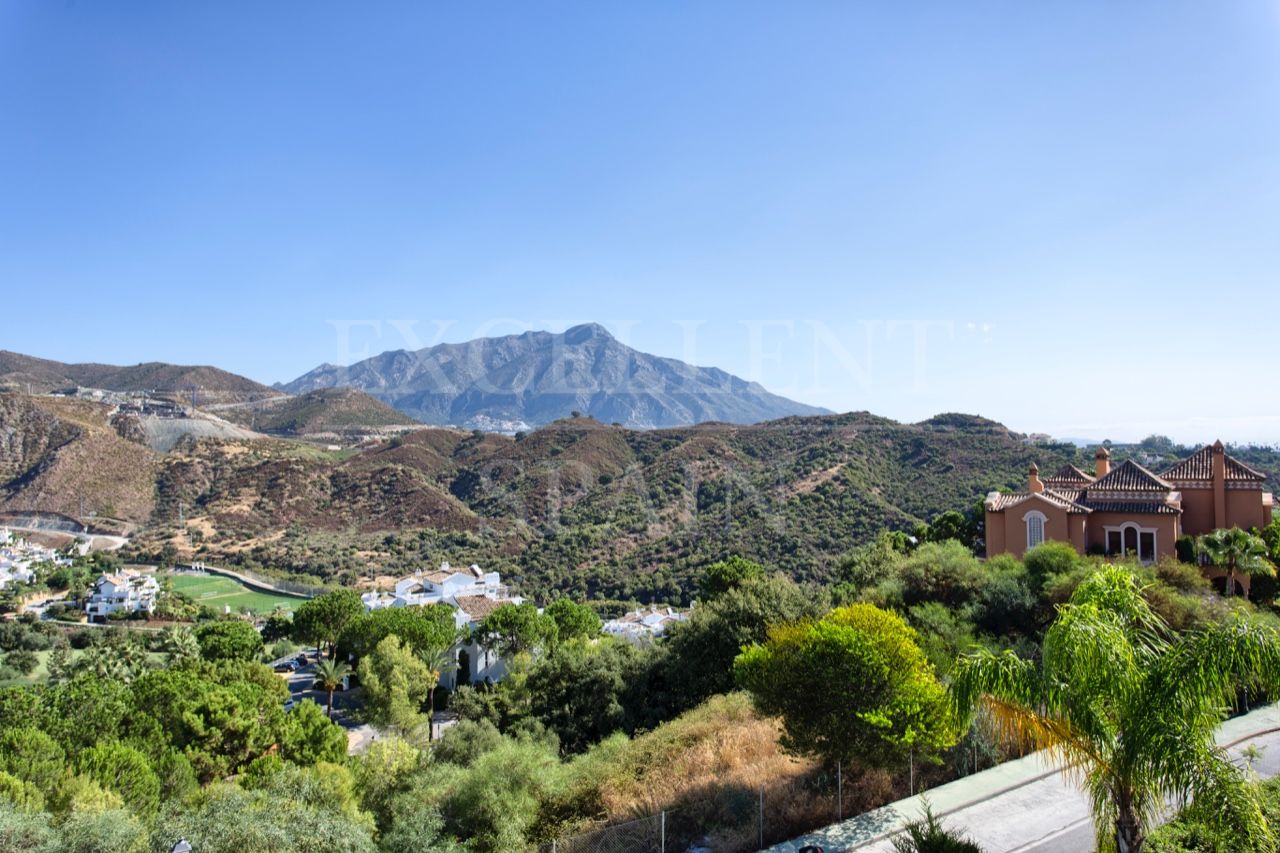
(1035,528)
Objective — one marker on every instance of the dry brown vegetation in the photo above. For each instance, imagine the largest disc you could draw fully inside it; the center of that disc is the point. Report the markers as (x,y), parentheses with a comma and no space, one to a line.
(707,770)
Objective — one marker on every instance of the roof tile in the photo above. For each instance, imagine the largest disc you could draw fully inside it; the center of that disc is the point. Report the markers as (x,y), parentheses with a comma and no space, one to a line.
(1199,466)
(1129,476)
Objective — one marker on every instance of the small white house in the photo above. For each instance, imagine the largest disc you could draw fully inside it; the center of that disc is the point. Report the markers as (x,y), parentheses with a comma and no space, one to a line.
(644,624)
(127,590)
(473,594)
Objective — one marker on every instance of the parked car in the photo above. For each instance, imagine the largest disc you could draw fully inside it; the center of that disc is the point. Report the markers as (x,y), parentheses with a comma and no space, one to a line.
(289,703)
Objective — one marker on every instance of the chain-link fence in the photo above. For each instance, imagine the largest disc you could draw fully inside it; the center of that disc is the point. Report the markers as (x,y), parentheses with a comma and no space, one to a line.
(637,836)
(740,819)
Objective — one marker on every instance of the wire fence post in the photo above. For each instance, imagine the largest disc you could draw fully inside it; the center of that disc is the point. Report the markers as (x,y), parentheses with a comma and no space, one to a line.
(761,817)
(663,832)
(911,769)
(839,793)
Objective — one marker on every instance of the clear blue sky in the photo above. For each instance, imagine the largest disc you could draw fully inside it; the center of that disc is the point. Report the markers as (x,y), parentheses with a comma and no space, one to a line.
(1065,216)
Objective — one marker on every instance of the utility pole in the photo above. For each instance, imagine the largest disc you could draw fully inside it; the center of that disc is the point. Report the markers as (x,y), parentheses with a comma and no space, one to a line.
(181,519)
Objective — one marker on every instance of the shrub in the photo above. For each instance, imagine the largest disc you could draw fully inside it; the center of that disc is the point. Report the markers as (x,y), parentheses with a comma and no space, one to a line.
(1049,561)
(928,835)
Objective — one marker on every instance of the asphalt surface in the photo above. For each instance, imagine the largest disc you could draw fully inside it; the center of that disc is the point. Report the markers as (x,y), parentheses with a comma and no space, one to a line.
(301,683)
(1027,806)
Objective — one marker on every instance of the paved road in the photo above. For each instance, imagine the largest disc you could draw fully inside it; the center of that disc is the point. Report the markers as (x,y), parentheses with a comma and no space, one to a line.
(301,684)
(1025,806)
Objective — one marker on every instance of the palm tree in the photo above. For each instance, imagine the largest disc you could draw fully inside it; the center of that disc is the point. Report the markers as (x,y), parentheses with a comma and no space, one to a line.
(439,661)
(329,674)
(180,645)
(1235,550)
(1130,708)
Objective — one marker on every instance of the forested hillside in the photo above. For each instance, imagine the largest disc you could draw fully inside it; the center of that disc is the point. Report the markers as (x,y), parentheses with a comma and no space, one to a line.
(579,506)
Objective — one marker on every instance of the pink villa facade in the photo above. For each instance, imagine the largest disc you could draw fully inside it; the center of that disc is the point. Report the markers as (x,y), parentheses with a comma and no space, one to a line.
(1128,509)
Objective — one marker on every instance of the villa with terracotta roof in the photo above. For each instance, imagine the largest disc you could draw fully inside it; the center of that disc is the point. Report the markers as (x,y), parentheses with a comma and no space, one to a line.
(473,594)
(1128,509)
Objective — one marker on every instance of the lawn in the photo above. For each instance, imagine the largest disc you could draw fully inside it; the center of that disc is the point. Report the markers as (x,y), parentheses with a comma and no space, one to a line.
(41,673)
(218,592)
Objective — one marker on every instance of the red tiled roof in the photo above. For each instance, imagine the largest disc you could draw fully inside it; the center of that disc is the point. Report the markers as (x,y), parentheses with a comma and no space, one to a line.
(478,606)
(1068,475)
(1135,507)
(1064,499)
(1199,466)
(1129,476)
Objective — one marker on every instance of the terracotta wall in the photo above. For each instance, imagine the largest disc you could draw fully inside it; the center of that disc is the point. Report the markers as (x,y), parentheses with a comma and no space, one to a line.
(1197,511)
(1244,508)
(1167,529)
(1007,531)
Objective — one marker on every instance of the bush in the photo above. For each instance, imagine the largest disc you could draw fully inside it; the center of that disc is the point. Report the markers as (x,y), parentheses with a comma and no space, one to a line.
(1050,561)
(465,742)
(928,835)
(22,661)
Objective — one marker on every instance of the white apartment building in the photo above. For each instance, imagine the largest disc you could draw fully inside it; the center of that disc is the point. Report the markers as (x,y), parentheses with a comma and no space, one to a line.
(127,590)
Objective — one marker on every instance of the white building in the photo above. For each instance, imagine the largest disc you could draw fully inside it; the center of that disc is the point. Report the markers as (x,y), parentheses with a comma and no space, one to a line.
(473,594)
(434,587)
(127,590)
(644,624)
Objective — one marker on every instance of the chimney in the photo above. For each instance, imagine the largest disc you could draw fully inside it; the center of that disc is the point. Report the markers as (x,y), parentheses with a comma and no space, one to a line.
(1219,485)
(1033,480)
(1101,463)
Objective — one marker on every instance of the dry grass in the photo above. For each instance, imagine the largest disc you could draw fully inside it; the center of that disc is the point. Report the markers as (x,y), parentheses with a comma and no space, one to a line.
(707,770)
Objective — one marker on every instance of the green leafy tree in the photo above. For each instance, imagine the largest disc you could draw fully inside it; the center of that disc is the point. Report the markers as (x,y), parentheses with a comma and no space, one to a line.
(952,525)
(1236,551)
(219,718)
(309,736)
(229,819)
(573,620)
(1130,707)
(395,686)
(32,756)
(330,673)
(279,626)
(59,664)
(463,743)
(381,772)
(496,802)
(852,686)
(22,660)
(230,639)
(124,770)
(515,628)
(700,653)
(86,709)
(719,578)
(322,619)
(423,629)
(577,689)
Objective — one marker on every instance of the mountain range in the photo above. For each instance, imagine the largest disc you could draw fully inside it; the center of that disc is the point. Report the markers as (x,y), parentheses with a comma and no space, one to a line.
(534,378)
(20,372)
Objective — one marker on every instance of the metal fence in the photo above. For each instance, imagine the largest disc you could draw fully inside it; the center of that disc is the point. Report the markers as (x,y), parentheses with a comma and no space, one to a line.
(743,819)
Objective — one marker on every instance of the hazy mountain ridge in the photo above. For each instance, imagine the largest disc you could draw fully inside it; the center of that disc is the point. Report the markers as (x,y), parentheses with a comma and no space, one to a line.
(20,372)
(537,377)
(326,410)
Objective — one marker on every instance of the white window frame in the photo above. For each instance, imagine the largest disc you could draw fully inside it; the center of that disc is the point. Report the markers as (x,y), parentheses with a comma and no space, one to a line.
(1041,519)
(1121,528)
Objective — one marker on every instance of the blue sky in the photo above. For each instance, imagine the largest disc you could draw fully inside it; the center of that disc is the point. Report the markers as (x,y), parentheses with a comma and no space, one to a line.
(1065,216)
